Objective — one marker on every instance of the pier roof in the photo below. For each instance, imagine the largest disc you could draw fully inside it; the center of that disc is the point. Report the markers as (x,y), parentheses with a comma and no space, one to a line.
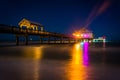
(30,22)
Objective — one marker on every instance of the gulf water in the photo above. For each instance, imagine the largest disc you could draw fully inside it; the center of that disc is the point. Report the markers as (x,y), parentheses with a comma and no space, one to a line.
(79,61)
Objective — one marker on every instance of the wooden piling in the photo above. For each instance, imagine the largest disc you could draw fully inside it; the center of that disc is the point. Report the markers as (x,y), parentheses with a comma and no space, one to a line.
(26,40)
(61,41)
(17,40)
(41,39)
(49,39)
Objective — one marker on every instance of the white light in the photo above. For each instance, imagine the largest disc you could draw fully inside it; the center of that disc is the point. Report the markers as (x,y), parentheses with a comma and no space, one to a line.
(81,43)
(90,41)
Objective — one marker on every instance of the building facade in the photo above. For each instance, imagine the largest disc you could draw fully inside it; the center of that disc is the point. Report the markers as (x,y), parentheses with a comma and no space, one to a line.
(27,24)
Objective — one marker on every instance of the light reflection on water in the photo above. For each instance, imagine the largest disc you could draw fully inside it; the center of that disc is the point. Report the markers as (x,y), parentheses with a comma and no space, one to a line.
(76,68)
(36,56)
(34,52)
(45,63)
(85,54)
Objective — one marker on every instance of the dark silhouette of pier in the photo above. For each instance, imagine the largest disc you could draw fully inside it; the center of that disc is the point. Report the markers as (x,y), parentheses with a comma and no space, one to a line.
(19,32)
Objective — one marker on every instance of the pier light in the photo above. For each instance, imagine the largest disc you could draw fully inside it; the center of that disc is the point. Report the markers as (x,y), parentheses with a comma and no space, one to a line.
(73,34)
(104,40)
(90,41)
(81,35)
(81,43)
(85,35)
(88,35)
(77,35)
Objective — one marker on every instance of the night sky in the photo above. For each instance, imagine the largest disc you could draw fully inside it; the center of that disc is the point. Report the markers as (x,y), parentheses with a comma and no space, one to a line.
(65,16)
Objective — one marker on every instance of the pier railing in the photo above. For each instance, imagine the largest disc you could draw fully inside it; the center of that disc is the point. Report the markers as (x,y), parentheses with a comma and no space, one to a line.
(26,32)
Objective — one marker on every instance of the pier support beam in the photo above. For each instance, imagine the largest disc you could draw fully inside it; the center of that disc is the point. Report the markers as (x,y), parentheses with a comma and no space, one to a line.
(69,40)
(17,40)
(26,40)
(41,39)
(55,40)
(61,41)
(49,39)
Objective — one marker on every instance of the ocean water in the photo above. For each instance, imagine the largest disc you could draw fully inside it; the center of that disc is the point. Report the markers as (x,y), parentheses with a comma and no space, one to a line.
(79,61)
